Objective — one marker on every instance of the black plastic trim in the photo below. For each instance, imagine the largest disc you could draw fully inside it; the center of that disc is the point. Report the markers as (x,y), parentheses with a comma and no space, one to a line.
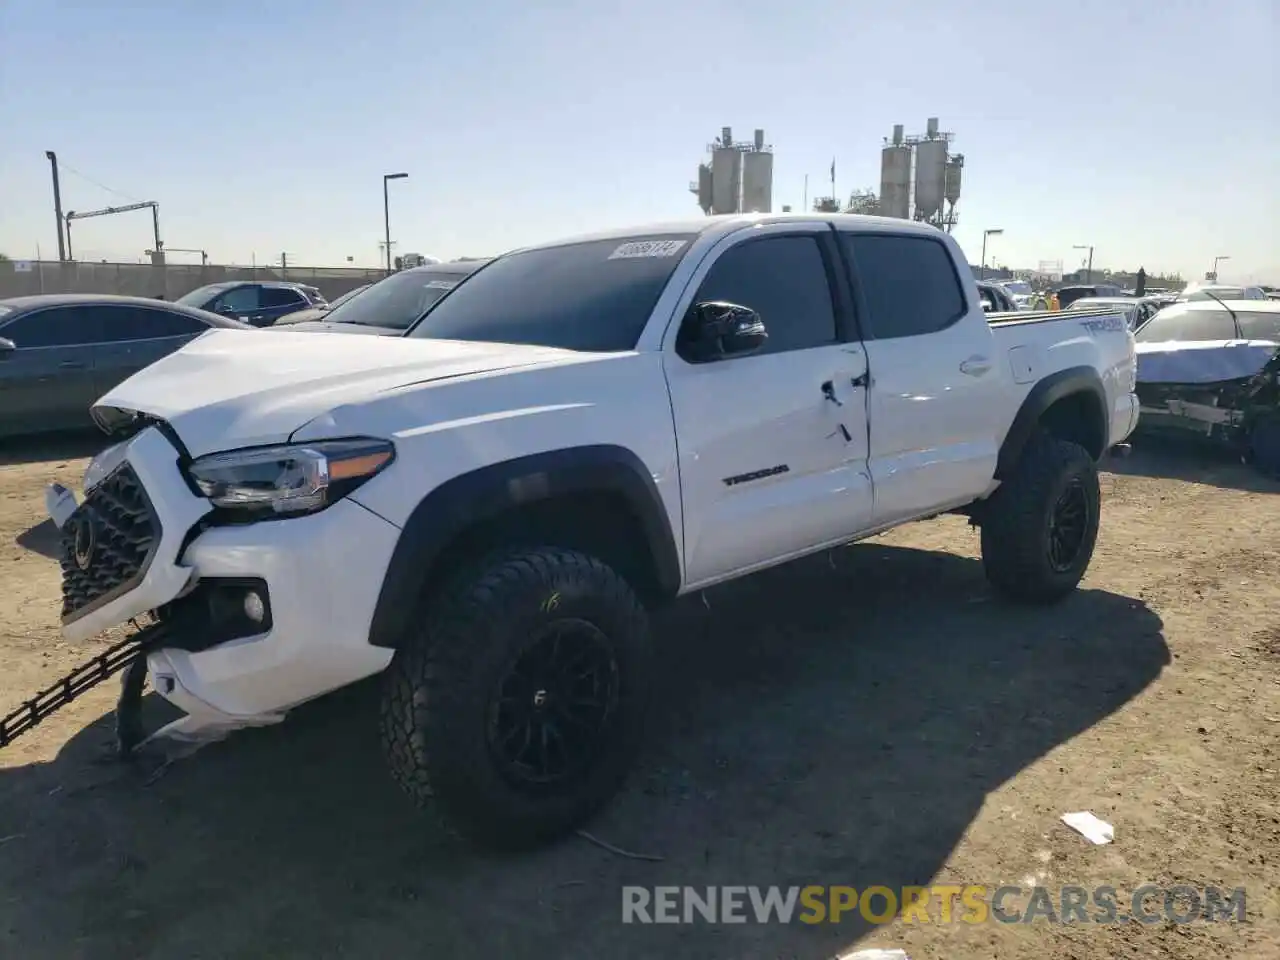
(1043,395)
(459,504)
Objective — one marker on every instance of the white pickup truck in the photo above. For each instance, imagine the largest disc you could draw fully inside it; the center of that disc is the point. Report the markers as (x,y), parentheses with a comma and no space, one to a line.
(582,430)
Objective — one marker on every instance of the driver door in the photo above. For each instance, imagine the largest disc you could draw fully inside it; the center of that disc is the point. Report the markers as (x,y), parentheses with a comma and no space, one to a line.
(772,446)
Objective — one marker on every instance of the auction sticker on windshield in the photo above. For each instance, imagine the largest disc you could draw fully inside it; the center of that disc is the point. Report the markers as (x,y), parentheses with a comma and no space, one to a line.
(647,248)
(442,284)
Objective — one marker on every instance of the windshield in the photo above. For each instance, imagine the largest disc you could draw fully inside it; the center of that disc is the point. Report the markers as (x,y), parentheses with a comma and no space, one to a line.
(1019,287)
(1222,293)
(200,295)
(347,296)
(397,301)
(593,296)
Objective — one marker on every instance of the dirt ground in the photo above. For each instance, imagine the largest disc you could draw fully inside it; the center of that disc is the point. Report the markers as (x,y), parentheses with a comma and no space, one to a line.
(871,717)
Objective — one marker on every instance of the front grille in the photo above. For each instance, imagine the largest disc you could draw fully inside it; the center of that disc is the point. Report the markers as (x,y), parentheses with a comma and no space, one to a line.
(107,543)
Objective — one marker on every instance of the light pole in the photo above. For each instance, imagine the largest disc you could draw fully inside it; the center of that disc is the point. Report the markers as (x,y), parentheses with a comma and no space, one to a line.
(1088,271)
(985,234)
(1216,261)
(57,205)
(386,210)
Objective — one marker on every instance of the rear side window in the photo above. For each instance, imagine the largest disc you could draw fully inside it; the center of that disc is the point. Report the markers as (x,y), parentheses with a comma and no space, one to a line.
(1187,325)
(1256,325)
(59,327)
(909,283)
(120,323)
(784,279)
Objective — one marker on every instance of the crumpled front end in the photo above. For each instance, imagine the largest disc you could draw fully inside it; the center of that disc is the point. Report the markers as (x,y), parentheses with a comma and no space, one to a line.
(258,617)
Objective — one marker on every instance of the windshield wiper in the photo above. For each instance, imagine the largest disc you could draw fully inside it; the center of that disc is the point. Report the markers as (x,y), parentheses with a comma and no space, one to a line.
(1234,319)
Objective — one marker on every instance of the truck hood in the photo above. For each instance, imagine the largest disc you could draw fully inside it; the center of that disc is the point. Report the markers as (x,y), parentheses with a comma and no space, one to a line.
(233,388)
(324,326)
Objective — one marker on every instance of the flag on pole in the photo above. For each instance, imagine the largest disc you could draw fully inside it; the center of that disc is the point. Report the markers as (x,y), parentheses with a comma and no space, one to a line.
(833,169)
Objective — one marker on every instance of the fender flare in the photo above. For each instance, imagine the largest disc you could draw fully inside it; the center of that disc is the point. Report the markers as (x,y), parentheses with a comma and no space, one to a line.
(1054,387)
(470,498)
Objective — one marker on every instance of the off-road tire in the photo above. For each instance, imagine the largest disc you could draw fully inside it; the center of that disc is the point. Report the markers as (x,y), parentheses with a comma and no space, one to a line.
(1016,523)
(439,687)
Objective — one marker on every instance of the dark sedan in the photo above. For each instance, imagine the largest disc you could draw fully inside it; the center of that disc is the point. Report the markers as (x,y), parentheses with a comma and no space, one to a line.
(260,303)
(60,352)
(390,306)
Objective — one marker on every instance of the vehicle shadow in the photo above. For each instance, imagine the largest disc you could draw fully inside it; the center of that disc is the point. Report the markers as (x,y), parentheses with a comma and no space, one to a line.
(43,538)
(64,445)
(1193,460)
(840,720)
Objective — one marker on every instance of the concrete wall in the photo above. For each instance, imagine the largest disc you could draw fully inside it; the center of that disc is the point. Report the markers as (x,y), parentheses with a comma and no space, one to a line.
(171,280)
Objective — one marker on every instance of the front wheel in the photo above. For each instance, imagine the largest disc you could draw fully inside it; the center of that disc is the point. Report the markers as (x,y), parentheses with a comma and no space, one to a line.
(1041,525)
(518,708)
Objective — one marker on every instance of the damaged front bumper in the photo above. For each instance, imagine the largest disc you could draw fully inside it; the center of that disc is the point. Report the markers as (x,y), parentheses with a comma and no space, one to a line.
(253,618)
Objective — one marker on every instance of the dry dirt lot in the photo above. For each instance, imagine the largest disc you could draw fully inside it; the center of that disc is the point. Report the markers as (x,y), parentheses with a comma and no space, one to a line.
(875,717)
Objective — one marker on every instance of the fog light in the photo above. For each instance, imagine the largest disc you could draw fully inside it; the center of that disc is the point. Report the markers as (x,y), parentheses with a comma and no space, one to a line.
(254,608)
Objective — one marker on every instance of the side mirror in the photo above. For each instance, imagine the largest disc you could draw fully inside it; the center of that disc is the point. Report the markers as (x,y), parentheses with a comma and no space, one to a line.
(986,306)
(716,330)
(7,347)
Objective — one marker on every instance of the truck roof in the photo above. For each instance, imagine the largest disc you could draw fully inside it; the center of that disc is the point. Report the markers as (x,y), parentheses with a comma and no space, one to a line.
(728,223)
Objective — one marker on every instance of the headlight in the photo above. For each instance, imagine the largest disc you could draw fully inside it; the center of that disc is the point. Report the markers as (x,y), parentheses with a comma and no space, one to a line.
(289,479)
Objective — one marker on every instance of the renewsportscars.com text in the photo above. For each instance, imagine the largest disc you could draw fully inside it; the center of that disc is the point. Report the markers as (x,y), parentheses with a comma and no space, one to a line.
(941,903)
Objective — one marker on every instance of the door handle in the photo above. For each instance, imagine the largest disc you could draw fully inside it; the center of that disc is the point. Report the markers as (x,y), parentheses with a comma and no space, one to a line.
(975,366)
(829,391)
(71,365)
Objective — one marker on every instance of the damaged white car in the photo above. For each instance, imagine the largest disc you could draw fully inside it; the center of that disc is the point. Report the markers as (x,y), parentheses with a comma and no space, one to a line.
(1212,369)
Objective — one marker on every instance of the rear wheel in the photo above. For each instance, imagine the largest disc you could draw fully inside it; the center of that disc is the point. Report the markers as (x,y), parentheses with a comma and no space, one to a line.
(1041,525)
(517,709)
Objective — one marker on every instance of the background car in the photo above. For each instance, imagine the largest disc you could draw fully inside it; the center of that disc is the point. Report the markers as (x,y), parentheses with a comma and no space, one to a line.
(258,303)
(1069,295)
(995,298)
(391,305)
(60,352)
(1136,310)
(1208,291)
(317,312)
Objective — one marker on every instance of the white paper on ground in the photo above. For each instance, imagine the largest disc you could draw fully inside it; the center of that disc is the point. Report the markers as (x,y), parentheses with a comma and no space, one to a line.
(1090,827)
(874,953)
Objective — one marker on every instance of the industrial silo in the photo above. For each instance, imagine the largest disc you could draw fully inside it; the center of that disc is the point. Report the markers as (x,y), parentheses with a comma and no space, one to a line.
(895,178)
(726,180)
(757,182)
(951,180)
(931,165)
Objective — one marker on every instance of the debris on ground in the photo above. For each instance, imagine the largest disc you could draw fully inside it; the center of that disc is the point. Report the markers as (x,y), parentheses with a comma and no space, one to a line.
(1090,827)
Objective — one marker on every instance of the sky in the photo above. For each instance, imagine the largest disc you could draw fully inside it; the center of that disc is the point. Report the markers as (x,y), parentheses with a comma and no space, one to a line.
(1145,129)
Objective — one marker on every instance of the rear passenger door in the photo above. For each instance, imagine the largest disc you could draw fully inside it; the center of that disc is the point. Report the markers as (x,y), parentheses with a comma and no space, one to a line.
(937,397)
(47,382)
(135,337)
(772,446)
(277,302)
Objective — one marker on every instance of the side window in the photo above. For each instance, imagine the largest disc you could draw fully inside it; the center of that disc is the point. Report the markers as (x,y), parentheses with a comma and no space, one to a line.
(59,327)
(282,297)
(1187,325)
(784,279)
(142,323)
(1256,325)
(238,299)
(909,283)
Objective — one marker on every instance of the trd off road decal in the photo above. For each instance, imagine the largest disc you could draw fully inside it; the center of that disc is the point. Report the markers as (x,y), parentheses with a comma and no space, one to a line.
(1105,325)
(756,475)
